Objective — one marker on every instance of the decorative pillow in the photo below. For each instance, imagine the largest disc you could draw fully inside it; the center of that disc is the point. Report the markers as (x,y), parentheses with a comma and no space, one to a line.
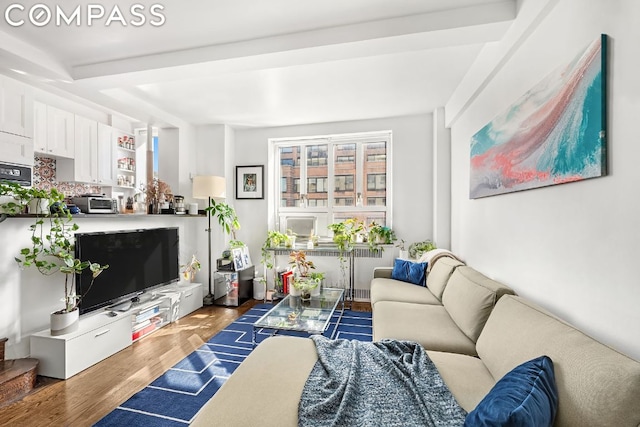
(407,271)
(526,396)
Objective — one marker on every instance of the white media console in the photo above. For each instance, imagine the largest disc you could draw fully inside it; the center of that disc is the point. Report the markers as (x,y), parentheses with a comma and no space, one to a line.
(101,333)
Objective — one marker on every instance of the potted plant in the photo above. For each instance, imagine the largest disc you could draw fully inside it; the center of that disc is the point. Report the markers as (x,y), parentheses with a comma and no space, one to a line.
(52,250)
(379,234)
(13,198)
(274,239)
(344,236)
(403,253)
(418,248)
(345,232)
(303,281)
(227,217)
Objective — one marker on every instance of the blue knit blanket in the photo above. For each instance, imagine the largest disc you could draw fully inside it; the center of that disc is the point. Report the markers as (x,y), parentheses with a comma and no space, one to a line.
(387,383)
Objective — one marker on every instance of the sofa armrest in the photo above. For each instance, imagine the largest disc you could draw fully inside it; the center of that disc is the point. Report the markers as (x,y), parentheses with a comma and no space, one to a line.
(382,272)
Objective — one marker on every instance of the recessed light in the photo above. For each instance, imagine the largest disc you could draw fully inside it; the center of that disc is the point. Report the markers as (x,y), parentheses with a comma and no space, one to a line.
(24,73)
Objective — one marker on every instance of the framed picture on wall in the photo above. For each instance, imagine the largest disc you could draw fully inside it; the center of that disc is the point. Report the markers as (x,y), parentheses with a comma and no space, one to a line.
(250,182)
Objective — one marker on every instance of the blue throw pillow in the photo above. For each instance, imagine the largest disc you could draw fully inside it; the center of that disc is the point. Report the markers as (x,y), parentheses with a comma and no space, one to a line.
(526,396)
(407,271)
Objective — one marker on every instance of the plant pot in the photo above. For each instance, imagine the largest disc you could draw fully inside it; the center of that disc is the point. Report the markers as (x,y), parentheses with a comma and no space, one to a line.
(403,254)
(305,295)
(38,206)
(64,323)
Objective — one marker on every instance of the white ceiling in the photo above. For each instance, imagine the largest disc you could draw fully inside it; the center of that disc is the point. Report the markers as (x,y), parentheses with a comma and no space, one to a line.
(256,63)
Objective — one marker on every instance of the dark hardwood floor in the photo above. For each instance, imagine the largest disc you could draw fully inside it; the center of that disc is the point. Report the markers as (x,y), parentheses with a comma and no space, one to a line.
(88,396)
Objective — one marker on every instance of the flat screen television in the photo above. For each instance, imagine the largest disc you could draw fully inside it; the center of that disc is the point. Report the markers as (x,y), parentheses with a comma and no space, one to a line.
(139,260)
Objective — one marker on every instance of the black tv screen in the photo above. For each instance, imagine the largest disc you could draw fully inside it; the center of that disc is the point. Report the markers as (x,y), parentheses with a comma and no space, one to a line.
(138,260)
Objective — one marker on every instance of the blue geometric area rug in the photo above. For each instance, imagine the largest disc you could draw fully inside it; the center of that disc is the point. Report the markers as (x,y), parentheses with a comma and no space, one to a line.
(175,398)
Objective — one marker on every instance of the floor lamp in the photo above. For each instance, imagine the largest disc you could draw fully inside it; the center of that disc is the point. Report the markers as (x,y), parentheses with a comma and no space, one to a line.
(209,187)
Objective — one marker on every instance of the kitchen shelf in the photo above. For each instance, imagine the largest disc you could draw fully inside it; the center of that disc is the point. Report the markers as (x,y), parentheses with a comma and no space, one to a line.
(127,170)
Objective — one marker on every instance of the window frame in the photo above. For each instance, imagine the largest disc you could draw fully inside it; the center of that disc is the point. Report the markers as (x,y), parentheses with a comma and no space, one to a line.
(326,214)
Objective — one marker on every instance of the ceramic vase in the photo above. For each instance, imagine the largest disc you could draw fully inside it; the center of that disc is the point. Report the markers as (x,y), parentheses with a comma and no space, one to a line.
(64,323)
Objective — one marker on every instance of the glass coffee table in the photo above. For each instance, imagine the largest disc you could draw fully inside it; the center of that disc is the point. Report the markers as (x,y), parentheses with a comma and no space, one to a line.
(312,317)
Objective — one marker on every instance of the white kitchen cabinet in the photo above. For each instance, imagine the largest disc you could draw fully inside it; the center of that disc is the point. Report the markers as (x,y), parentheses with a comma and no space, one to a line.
(106,155)
(16,149)
(84,166)
(16,108)
(53,131)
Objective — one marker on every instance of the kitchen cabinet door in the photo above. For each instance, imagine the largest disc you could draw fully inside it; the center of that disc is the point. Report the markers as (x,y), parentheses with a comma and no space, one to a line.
(106,155)
(86,150)
(84,166)
(60,136)
(16,108)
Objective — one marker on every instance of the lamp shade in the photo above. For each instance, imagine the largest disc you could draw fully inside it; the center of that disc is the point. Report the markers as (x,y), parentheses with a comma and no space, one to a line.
(205,186)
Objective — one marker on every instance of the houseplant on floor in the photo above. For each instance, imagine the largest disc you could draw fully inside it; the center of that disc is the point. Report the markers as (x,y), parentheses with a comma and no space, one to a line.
(52,250)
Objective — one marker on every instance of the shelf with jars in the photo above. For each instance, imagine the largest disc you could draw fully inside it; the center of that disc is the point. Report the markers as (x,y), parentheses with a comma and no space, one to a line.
(127,143)
(127,181)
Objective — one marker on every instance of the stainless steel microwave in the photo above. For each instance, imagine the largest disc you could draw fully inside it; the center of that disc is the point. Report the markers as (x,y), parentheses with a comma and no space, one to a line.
(15,173)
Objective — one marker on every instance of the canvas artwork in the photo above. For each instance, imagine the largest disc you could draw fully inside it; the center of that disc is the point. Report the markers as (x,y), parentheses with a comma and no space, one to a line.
(554,134)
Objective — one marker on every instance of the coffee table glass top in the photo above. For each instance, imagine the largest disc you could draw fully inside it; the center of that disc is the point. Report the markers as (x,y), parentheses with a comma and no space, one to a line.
(293,314)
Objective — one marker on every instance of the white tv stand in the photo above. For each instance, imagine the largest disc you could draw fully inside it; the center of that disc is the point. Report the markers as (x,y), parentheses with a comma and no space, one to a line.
(105,332)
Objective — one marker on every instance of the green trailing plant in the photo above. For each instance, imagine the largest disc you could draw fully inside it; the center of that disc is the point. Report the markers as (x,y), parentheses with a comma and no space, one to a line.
(14,197)
(274,239)
(418,248)
(226,216)
(234,244)
(344,236)
(400,245)
(52,247)
(379,234)
(345,232)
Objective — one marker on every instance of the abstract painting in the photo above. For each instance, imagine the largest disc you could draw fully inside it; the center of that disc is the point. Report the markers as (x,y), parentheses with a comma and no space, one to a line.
(554,134)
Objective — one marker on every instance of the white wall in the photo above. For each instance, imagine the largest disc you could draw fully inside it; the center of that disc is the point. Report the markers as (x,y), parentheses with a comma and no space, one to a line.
(412,179)
(573,247)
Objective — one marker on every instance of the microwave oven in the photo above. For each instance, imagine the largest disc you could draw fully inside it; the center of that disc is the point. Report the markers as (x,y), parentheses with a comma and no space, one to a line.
(96,205)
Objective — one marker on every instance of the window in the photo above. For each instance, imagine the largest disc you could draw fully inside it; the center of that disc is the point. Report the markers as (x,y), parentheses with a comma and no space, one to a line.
(376,157)
(376,181)
(376,201)
(345,159)
(317,185)
(332,178)
(344,183)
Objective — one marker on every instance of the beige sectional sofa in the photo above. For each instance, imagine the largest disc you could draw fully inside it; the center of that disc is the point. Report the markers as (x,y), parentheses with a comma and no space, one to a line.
(475,331)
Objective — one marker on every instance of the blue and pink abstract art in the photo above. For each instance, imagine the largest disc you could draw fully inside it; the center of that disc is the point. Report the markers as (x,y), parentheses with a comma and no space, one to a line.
(555,133)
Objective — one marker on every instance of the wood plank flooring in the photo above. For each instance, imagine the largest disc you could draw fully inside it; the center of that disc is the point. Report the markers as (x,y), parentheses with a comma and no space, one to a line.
(88,396)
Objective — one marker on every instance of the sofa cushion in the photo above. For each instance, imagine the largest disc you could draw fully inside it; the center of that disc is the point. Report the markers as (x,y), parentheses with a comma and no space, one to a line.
(466,376)
(439,275)
(408,271)
(597,385)
(526,396)
(427,324)
(270,370)
(469,298)
(394,290)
